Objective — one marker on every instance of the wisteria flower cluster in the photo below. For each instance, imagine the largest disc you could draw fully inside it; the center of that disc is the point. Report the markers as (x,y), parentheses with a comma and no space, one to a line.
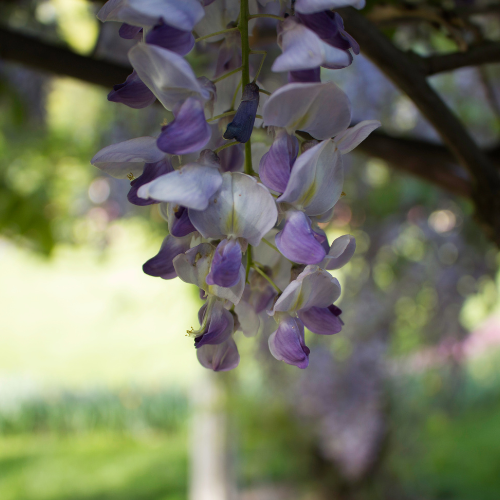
(244,231)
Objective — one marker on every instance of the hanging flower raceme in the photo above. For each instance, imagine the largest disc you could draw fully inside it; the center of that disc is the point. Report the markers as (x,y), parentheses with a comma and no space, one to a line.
(245,213)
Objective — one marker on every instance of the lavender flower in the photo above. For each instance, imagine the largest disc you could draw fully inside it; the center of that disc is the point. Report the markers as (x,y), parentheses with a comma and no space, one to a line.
(251,243)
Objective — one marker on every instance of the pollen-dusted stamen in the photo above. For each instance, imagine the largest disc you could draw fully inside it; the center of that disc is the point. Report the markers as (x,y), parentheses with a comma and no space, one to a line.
(130,176)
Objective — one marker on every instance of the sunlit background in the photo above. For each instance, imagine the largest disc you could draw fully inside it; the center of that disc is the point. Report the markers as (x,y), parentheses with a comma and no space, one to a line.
(101,395)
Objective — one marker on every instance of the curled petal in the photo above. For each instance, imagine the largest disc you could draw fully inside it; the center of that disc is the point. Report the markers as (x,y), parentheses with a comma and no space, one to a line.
(241,127)
(312,75)
(321,109)
(226,264)
(241,208)
(191,186)
(130,32)
(303,49)
(287,342)
(247,317)
(179,223)
(133,93)
(178,41)
(316,180)
(188,132)
(161,265)
(314,287)
(219,328)
(297,241)
(193,265)
(167,74)
(322,320)
(219,358)
(182,15)
(349,139)
(312,6)
(233,293)
(276,164)
(150,173)
(340,252)
(120,160)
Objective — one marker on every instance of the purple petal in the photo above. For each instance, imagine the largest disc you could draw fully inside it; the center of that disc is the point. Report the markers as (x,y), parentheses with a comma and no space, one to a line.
(219,358)
(188,132)
(225,264)
(340,253)
(229,56)
(231,159)
(322,320)
(323,24)
(161,265)
(178,41)
(219,328)
(276,164)
(241,127)
(150,173)
(133,93)
(181,224)
(312,75)
(130,32)
(287,342)
(297,242)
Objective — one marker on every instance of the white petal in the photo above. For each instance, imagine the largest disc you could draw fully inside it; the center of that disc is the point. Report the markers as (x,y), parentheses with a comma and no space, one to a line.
(194,265)
(249,320)
(349,139)
(313,287)
(241,208)
(191,186)
(182,15)
(128,157)
(316,180)
(340,253)
(321,109)
(312,6)
(303,49)
(168,75)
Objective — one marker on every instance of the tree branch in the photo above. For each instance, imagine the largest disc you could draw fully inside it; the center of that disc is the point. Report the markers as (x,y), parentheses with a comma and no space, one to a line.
(26,49)
(475,56)
(400,68)
(431,162)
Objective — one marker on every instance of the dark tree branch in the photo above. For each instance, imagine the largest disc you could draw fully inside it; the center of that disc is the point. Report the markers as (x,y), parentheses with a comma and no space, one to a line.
(31,51)
(431,162)
(401,69)
(475,56)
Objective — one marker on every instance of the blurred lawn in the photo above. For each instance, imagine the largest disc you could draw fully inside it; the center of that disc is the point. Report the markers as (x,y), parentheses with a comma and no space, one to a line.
(91,318)
(97,466)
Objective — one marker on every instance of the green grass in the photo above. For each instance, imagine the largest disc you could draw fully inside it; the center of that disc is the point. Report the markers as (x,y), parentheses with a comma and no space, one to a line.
(456,458)
(97,466)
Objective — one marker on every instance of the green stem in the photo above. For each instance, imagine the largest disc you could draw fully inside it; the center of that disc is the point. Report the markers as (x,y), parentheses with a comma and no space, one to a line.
(264,275)
(264,54)
(268,243)
(249,262)
(222,32)
(233,102)
(225,75)
(270,16)
(264,92)
(227,113)
(227,145)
